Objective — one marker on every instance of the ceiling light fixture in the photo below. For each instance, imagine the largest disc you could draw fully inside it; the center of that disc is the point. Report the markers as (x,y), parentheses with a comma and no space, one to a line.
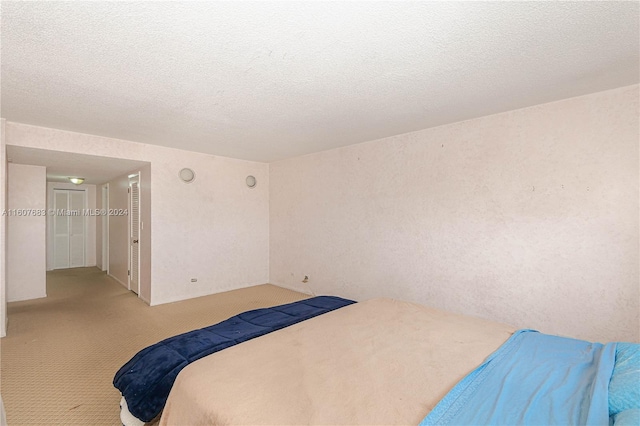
(76,180)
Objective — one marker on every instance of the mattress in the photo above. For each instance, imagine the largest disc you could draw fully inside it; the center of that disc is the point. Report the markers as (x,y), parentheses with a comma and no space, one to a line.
(376,362)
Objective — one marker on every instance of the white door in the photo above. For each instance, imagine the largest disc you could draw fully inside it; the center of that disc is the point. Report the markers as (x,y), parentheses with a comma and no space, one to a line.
(68,229)
(60,230)
(76,226)
(134,237)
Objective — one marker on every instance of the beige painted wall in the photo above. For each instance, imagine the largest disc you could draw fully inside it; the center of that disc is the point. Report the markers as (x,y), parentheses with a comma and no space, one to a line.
(26,263)
(3,227)
(145,233)
(214,229)
(90,221)
(529,217)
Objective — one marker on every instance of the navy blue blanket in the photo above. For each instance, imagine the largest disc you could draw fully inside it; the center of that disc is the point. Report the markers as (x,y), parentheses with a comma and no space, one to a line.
(145,381)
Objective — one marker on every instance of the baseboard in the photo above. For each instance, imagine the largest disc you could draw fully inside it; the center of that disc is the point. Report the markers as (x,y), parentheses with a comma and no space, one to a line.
(40,296)
(123,284)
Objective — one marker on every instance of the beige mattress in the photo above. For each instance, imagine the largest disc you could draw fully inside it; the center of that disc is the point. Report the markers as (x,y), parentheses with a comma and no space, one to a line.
(375,362)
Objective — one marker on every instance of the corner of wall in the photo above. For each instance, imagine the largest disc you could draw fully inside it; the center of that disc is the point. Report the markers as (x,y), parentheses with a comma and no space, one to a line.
(3,226)
(269,223)
(145,234)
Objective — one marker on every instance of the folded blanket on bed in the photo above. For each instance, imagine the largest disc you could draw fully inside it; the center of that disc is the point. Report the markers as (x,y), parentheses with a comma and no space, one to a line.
(146,380)
(533,379)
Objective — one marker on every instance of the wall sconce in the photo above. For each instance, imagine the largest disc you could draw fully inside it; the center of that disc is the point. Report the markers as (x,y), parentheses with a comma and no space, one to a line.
(187,175)
(76,180)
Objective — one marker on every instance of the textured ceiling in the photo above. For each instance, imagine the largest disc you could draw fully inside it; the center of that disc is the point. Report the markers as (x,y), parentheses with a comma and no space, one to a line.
(270,80)
(62,165)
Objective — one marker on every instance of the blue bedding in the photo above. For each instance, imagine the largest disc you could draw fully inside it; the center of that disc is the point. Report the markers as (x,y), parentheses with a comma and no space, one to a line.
(624,387)
(145,381)
(534,379)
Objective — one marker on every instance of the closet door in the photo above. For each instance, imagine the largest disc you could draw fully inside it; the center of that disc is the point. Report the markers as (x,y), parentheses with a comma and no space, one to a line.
(76,227)
(60,230)
(68,229)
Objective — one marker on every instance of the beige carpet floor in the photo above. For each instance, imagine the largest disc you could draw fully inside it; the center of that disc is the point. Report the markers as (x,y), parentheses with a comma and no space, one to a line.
(61,352)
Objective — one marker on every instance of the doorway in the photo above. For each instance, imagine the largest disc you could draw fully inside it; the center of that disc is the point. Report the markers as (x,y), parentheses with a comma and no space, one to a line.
(69,228)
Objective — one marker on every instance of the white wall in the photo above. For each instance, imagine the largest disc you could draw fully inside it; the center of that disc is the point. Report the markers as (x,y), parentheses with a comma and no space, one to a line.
(3,227)
(118,230)
(214,229)
(90,221)
(529,217)
(26,235)
(144,181)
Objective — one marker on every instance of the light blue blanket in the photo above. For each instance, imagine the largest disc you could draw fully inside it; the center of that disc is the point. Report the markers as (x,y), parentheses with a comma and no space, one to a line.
(624,387)
(533,379)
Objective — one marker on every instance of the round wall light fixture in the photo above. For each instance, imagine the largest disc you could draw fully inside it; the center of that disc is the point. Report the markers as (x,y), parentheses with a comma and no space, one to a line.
(76,180)
(251,181)
(187,175)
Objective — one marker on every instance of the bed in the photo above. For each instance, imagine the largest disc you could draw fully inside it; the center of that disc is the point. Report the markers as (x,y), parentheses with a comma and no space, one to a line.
(146,379)
(389,362)
(376,362)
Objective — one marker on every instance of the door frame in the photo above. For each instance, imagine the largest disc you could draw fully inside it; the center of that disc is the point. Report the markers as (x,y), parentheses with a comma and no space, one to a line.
(105,227)
(133,177)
